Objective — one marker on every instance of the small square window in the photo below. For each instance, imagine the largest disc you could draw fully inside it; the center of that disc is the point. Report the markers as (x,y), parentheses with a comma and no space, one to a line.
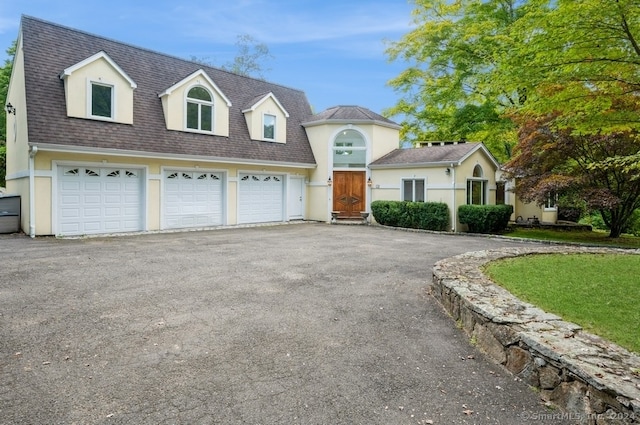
(413,190)
(269,129)
(101,100)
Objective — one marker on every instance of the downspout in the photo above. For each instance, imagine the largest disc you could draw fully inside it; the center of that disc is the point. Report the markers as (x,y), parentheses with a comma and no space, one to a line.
(33,150)
(454,214)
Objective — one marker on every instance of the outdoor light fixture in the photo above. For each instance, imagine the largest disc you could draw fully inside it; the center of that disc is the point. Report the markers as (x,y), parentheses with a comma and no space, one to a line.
(448,171)
(369,182)
(329,181)
(10,109)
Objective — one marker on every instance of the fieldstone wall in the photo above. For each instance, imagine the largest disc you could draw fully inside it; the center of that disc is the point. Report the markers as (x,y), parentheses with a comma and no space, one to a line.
(592,380)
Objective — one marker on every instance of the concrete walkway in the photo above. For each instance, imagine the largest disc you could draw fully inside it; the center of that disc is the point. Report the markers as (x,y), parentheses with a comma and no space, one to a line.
(308,324)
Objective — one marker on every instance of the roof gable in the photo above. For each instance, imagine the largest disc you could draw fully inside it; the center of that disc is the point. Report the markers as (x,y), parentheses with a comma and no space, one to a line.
(261,100)
(199,73)
(93,58)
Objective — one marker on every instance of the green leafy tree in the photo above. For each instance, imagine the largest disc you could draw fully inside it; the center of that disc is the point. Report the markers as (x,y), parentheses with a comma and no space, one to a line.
(448,90)
(550,160)
(5,76)
(578,60)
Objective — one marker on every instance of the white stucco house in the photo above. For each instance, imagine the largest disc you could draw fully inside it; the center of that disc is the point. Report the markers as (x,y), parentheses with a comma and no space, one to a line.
(105,137)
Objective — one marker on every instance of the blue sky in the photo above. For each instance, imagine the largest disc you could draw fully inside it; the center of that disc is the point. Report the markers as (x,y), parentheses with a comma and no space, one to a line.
(333,50)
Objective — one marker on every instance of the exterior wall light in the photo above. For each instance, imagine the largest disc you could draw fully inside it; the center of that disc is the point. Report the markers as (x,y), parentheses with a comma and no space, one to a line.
(369,182)
(10,109)
(329,182)
(448,171)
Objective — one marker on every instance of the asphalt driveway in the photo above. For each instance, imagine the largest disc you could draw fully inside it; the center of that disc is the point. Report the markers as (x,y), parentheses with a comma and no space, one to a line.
(291,324)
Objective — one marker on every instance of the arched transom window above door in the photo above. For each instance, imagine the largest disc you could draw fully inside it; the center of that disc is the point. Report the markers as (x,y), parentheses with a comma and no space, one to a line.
(349,150)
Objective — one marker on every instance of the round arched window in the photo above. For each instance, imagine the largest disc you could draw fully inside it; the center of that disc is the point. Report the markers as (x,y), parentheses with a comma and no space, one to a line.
(477,171)
(199,109)
(349,150)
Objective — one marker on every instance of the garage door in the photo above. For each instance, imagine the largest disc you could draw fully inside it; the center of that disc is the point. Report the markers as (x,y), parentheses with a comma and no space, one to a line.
(261,198)
(99,200)
(192,199)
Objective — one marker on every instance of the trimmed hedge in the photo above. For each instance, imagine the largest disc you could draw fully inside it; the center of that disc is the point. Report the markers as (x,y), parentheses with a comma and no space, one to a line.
(412,215)
(485,218)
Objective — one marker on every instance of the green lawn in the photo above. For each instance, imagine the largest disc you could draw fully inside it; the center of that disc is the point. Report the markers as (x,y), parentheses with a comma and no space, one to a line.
(591,238)
(600,292)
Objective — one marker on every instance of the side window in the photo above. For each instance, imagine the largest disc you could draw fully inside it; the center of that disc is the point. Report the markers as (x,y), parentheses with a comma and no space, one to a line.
(101,100)
(269,127)
(199,109)
(413,190)
(476,192)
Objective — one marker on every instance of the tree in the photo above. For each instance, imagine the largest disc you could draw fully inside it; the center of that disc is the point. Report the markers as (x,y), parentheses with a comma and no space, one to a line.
(579,61)
(550,160)
(250,58)
(5,76)
(448,90)
(248,62)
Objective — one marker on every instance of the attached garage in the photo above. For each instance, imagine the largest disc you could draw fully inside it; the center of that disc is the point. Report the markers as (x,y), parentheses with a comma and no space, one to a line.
(192,199)
(94,200)
(261,198)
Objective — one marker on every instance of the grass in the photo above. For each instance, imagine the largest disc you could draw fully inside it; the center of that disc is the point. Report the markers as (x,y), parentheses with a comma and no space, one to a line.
(585,237)
(599,292)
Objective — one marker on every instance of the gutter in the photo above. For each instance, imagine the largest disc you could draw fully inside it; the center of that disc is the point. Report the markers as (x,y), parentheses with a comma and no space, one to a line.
(33,150)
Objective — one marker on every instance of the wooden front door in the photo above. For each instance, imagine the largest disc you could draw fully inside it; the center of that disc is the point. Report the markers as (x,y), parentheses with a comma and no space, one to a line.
(348,193)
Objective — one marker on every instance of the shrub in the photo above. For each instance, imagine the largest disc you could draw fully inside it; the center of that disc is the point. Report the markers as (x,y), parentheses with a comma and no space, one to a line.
(485,218)
(413,215)
(568,213)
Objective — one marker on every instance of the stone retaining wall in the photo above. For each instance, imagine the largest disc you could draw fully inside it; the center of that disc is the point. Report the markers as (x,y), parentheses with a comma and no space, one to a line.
(591,379)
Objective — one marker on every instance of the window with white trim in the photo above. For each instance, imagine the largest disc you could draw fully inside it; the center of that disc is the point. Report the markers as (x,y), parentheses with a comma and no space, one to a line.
(101,100)
(269,127)
(477,188)
(199,109)
(349,150)
(551,203)
(413,190)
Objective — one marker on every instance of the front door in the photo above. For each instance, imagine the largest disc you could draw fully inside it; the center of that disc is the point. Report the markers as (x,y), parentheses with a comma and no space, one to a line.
(348,193)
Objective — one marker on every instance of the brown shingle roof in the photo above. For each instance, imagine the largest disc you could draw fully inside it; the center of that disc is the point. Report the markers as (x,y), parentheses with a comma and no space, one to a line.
(349,114)
(431,155)
(50,48)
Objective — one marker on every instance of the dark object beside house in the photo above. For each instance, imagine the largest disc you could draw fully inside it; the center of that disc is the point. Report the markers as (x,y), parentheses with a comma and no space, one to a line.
(9,214)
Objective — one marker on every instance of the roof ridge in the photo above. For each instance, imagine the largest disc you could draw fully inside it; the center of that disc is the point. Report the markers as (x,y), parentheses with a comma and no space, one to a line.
(148,50)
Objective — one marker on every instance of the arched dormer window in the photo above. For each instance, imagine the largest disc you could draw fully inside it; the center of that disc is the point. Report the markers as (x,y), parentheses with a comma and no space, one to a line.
(199,109)
(477,171)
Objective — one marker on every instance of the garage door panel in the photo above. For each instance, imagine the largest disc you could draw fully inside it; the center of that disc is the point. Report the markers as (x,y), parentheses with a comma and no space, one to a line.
(261,198)
(98,200)
(192,199)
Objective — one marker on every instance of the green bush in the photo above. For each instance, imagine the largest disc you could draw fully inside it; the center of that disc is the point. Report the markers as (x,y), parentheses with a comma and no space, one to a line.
(485,218)
(412,215)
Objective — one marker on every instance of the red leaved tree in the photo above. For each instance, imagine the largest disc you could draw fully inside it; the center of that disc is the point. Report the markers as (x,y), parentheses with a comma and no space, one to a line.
(594,168)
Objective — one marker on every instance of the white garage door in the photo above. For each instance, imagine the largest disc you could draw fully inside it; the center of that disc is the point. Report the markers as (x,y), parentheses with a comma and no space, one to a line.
(261,198)
(192,199)
(99,200)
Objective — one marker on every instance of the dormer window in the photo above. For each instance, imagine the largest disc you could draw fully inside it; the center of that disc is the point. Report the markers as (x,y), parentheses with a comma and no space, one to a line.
(97,88)
(101,100)
(199,109)
(269,127)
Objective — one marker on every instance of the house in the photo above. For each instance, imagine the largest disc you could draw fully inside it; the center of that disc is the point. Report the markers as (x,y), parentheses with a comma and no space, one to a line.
(106,137)
(455,173)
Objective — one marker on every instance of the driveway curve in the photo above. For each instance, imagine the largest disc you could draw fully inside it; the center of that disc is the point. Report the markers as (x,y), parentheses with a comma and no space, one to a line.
(291,324)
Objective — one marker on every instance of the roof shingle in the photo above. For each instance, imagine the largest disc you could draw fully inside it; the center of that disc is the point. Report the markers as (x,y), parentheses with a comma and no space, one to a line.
(432,155)
(50,48)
